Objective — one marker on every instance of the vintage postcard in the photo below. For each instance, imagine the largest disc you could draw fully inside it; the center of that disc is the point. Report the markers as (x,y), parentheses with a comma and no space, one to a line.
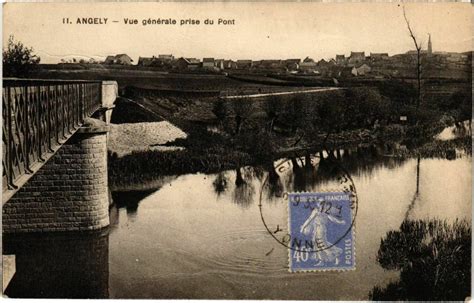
(237,150)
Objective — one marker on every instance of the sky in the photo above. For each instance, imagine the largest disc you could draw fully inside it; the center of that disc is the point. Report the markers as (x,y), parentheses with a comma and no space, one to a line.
(261,30)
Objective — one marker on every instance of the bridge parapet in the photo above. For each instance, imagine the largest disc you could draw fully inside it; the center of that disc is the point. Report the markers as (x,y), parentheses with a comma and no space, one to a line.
(38,117)
(56,165)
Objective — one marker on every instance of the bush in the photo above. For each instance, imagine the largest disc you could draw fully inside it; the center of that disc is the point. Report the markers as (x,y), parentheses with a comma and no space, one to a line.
(18,59)
(434,258)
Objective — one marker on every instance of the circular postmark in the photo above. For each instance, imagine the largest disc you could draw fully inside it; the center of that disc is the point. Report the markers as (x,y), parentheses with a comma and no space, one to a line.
(335,201)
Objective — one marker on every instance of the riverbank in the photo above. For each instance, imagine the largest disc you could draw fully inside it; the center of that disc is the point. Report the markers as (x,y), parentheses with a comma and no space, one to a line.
(144,151)
(127,138)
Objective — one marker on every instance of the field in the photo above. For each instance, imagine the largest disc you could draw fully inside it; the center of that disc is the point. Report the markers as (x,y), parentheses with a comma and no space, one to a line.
(150,79)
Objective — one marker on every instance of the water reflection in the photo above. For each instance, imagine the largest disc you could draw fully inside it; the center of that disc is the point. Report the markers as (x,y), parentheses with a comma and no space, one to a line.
(434,259)
(130,199)
(417,190)
(303,175)
(65,265)
(314,170)
(220,184)
(244,189)
(274,186)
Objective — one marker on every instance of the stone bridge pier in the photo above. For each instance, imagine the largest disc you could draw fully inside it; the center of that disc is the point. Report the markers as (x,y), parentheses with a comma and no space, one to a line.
(70,191)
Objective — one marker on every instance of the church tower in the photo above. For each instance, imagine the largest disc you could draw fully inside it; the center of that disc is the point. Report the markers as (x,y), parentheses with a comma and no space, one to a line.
(430,49)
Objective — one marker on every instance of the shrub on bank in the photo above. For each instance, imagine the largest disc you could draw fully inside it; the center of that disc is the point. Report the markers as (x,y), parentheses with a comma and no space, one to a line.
(144,165)
(434,259)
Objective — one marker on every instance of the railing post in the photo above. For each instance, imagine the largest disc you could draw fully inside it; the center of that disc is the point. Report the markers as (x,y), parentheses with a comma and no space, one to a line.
(9,161)
(91,101)
(26,130)
(48,117)
(63,112)
(39,124)
(71,109)
(68,113)
(76,105)
(66,108)
(56,113)
(81,102)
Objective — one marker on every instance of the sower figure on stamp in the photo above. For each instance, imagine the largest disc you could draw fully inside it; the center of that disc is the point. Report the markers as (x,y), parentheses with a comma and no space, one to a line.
(316,224)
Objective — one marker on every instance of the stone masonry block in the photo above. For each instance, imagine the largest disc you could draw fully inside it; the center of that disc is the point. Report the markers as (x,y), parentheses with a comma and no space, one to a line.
(69,193)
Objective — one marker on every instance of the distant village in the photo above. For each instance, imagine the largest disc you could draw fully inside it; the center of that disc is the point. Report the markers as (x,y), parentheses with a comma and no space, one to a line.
(356,64)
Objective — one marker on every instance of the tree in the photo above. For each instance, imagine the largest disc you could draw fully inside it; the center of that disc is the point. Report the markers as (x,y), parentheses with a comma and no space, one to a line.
(366,106)
(220,110)
(418,58)
(332,113)
(273,107)
(18,59)
(294,112)
(242,110)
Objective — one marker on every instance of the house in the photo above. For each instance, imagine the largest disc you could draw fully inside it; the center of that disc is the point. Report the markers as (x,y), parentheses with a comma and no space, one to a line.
(361,70)
(356,58)
(269,64)
(182,63)
(161,61)
(322,63)
(292,64)
(219,63)
(194,63)
(229,64)
(109,60)
(208,63)
(122,59)
(166,58)
(378,56)
(308,66)
(244,64)
(341,59)
(144,61)
(326,67)
(292,61)
(188,63)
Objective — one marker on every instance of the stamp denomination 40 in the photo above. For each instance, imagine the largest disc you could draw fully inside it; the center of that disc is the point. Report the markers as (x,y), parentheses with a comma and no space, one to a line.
(321,231)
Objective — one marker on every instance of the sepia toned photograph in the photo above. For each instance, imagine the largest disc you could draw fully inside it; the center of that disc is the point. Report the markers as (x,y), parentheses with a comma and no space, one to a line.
(237,151)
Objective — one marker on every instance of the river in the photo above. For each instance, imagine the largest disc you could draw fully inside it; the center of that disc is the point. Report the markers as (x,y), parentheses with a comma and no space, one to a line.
(201,235)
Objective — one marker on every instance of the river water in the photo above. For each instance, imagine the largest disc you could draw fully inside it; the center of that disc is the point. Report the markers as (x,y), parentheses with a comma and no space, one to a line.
(201,235)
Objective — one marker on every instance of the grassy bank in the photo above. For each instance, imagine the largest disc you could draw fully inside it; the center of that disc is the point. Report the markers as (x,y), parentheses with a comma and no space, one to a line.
(212,152)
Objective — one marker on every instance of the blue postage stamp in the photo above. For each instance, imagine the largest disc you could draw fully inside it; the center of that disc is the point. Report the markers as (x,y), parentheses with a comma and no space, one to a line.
(321,231)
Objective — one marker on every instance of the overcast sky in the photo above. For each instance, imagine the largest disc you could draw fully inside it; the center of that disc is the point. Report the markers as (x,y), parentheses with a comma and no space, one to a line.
(262,30)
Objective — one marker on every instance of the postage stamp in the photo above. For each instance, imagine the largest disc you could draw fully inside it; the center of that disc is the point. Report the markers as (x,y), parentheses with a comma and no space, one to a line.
(321,231)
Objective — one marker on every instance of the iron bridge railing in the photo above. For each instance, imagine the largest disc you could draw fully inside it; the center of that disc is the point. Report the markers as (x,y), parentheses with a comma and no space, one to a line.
(38,117)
